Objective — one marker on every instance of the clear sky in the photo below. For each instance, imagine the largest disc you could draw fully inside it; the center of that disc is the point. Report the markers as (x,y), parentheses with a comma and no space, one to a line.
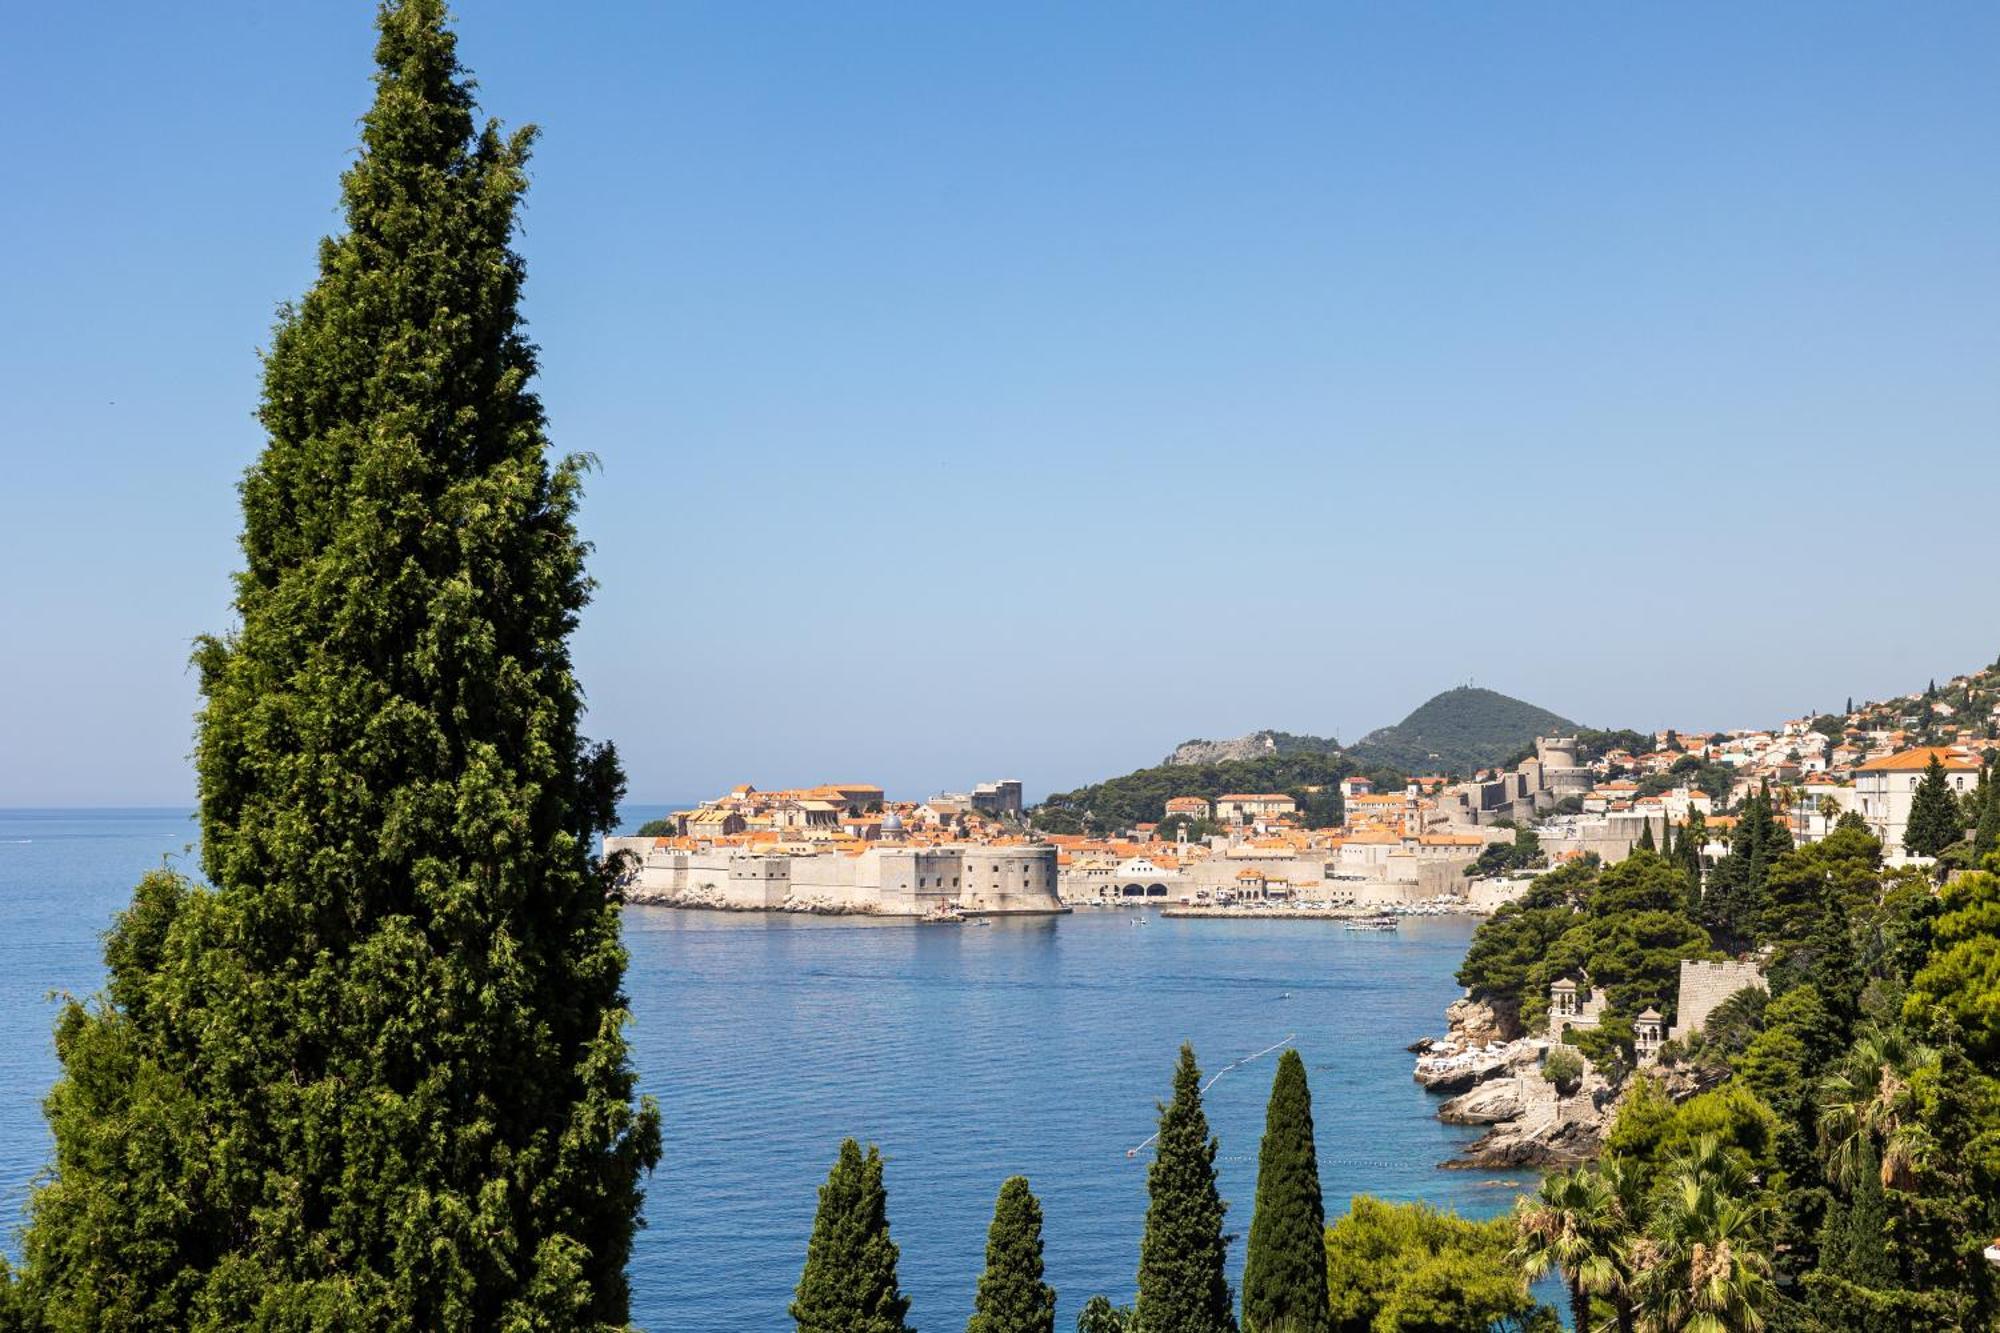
(1020,389)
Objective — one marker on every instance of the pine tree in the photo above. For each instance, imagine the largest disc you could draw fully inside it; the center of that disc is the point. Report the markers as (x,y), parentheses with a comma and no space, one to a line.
(1935,820)
(1182,1283)
(849,1283)
(1012,1296)
(372,1075)
(1284,1273)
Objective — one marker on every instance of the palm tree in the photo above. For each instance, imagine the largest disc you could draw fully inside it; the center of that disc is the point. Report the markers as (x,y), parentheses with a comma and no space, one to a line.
(1868,1093)
(1703,1271)
(1576,1225)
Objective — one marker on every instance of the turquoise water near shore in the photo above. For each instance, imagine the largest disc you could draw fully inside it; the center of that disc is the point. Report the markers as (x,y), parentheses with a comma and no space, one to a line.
(1035,1046)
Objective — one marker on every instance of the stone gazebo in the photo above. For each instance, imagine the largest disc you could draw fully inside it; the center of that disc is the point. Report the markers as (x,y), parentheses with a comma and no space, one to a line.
(1648,1033)
(1567,1011)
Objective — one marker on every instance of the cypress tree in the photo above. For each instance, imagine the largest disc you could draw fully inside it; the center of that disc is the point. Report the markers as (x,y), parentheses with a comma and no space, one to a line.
(1986,836)
(372,1075)
(1645,843)
(1284,1273)
(1864,1258)
(1182,1285)
(1935,819)
(1012,1296)
(849,1283)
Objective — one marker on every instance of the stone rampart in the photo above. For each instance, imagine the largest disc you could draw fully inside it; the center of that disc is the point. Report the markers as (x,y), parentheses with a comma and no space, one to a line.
(1704,986)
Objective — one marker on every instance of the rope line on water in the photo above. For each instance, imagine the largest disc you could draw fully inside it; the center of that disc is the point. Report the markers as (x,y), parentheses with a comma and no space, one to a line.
(1233,1064)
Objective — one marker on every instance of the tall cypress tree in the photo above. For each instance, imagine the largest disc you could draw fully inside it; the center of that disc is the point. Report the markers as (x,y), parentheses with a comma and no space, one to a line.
(1284,1273)
(1935,819)
(1012,1296)
(372,1075)
(1645,843)
(1986,835)
(849,1283)
(1182,1285)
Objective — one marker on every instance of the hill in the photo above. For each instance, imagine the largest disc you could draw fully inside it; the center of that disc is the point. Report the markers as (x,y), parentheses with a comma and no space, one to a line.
(1311,779)
(1458,731)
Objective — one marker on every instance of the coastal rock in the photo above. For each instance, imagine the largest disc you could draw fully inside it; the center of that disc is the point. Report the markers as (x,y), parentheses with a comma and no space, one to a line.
(1547,1128)
(1449,1067)
(1482,1022)
(1514,1145)
(1489,1103)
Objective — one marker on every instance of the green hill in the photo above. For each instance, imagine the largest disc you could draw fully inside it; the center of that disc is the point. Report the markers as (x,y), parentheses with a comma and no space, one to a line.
(1458,731)
(1312,779)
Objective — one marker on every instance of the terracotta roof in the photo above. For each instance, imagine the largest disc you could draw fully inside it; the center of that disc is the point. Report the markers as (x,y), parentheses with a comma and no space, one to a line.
(1919,759)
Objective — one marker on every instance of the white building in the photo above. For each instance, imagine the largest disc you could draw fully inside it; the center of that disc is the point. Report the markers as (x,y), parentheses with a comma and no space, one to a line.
(1885,787)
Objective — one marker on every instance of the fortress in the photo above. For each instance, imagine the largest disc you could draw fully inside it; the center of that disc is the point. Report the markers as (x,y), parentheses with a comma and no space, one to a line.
(896,880)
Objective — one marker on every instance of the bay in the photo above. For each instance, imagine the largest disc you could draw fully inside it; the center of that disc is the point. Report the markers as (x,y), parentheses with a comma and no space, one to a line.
(1034,1046)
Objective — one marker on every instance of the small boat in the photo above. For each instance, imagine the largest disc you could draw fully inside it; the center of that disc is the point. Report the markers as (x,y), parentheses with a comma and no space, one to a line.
(1386,923)
(944,914)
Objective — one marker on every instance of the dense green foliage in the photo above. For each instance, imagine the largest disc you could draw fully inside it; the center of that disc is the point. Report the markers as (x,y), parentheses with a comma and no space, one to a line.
(1960,976)
(1732,898)
(1848,1165)
(849,1283)
(1405,1267)
(1459,731)
(1141,797)
(1626,928)
(1012,1297)
(1497,858)
(374,1075)
(1284,1271)
(1099,1315)
(1182,1282)
(656,828)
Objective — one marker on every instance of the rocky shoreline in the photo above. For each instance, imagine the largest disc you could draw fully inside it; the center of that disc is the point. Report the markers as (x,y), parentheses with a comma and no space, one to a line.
(1495,1070)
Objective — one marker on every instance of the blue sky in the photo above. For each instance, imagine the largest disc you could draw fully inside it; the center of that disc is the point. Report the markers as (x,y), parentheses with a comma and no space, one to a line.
(1021,389)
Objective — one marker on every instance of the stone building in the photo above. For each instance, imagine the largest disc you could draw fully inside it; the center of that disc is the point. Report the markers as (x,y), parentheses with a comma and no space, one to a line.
(1246,807)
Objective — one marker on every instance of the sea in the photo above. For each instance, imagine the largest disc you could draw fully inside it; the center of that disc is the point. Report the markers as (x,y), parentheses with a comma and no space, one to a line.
(1038,1047)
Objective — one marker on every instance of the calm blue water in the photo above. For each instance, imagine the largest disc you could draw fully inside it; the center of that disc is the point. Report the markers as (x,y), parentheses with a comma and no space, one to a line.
(969,1054)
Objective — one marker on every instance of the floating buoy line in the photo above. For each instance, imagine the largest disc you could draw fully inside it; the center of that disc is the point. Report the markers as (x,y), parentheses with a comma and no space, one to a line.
(1233,1064)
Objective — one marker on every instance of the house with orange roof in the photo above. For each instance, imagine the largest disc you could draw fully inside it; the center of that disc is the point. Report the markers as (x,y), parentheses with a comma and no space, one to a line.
(1885,787)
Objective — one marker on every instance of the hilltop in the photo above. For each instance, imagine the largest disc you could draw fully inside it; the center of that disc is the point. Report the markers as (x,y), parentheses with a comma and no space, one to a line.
(1257,745)
(1459,731)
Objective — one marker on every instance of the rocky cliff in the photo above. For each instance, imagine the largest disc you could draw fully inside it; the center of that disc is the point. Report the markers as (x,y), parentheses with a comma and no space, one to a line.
(1257,745)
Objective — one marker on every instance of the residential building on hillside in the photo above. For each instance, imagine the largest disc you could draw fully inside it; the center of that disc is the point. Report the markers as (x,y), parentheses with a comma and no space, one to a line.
(1884,787)
(1243,807)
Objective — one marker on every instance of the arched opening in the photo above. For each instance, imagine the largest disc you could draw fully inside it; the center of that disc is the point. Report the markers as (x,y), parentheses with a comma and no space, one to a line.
(1156,890)
(1133,891)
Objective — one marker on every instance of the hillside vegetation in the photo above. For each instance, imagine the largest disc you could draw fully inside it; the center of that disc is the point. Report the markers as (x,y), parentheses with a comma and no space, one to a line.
(1313,780)
(1458,731)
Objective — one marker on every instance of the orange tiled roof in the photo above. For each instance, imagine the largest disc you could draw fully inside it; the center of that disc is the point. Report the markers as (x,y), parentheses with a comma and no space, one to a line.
(1920,758)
